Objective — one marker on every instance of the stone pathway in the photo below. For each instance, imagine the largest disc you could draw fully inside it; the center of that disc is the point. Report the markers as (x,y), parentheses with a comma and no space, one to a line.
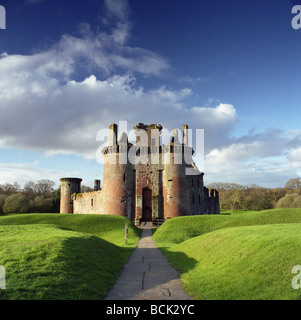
(148,275)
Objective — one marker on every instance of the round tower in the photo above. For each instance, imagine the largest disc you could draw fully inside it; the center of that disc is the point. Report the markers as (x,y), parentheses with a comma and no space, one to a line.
(175,191)
(68,187)
(117,176)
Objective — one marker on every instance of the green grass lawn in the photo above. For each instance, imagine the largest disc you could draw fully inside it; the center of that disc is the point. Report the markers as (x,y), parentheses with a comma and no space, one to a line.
(52,256)
(246,256)
(179,229)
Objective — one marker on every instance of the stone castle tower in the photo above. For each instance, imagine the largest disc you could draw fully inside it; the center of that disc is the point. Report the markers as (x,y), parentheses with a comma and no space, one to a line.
(144,182)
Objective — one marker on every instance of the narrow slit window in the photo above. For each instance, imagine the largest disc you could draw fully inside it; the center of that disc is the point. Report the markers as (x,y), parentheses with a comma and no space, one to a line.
(124,177)
(91,202)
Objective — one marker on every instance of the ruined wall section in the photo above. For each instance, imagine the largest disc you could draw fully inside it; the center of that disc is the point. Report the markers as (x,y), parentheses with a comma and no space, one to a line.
(196,194)
(88,202)
(211,201)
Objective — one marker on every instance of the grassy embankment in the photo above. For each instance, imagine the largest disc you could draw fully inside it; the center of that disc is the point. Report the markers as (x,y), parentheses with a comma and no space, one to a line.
(240,256)
(52,256)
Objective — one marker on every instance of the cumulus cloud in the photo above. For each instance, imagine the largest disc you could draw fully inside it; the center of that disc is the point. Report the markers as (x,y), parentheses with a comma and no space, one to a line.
(56,100)
(41,113)
(294,157)
(268,158)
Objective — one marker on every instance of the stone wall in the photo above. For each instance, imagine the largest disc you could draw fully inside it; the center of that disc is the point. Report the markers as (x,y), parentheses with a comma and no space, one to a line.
(211,201)
(88,202)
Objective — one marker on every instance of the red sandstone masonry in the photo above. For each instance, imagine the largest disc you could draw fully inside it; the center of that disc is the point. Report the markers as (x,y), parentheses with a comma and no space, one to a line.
(173,192)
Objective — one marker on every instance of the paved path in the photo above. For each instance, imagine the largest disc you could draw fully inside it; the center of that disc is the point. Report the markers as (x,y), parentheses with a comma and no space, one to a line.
(148,275)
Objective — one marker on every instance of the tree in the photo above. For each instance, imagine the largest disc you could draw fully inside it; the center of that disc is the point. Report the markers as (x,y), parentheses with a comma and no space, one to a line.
(44,187)
(30,189)
(278,193)
(2,199)
(84,188)
(16,203)
(9,188)
(294,184)
(41,205)
(234,196)
(290,200)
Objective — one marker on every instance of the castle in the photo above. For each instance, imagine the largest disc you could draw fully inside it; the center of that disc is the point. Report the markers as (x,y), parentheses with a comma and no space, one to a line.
(145,182)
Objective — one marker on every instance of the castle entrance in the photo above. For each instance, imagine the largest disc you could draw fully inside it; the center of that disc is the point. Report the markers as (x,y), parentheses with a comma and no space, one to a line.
(147,205)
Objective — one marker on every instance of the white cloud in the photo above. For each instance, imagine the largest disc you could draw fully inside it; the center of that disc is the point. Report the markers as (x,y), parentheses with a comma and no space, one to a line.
(294,157)
(41,113)
(24,172)
(45,107)
(266,158)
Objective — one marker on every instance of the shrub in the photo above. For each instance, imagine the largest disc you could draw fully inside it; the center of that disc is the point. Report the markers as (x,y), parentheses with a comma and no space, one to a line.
(16,203)
(290,200)
(2,199)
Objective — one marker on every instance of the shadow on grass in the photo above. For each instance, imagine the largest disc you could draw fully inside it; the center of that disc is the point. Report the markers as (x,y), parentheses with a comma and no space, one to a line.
(76,268)
(92,266)
(179,260)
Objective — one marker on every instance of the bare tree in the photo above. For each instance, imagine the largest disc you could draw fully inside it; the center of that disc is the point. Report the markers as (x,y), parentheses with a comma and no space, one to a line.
(44,187)
(9,188)
(294,184)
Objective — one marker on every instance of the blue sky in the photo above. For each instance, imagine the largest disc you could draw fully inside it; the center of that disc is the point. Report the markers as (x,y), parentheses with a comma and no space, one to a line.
(71,68)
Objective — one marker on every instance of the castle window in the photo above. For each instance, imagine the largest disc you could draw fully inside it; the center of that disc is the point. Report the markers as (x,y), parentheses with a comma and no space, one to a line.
(193,198)
(199,199)
(91,202)
(124,177)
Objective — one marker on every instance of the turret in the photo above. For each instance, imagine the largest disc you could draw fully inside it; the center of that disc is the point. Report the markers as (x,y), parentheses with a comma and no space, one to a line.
(117,175)
(97,185)
(175,192)
(68,187)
